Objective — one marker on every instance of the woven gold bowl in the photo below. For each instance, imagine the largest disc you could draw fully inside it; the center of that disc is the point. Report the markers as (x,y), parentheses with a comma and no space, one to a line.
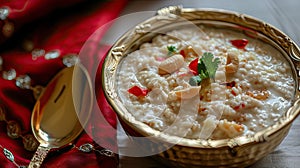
(237,152)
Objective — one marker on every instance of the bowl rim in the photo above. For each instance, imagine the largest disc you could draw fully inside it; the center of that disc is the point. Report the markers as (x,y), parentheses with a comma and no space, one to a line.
(119,49)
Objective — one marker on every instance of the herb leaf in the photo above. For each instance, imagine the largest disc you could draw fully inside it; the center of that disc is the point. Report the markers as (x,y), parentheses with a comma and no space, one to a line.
(202,71)
(207,68)
(172,50)
(208,65)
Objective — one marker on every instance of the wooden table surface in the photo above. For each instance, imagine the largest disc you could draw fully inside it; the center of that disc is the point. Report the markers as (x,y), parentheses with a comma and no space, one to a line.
(284,14)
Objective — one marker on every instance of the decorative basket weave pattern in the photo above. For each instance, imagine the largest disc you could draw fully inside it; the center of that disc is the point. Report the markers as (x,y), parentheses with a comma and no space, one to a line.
(237,152)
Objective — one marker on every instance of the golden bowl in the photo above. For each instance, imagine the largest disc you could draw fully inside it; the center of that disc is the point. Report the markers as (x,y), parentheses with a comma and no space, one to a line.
(236,152)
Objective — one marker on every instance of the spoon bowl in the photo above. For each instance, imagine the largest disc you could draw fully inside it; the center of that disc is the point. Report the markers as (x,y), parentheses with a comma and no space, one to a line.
(54,119)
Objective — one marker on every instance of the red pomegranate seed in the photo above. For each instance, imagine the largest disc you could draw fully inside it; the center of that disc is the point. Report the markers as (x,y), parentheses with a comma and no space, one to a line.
(182,53)
(239,107)
(138,92)
(232,92)
(194,66)
(240,44)
(236,107)
(243,105)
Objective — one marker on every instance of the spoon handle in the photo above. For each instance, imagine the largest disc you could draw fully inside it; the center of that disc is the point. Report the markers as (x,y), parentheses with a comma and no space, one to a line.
(39,157)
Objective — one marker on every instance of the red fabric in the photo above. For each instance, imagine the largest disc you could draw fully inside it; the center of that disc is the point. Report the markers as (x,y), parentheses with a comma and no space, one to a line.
(23,11)
(52,25)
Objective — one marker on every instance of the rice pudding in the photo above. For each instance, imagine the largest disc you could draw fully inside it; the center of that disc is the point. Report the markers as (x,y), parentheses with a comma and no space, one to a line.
(251,88)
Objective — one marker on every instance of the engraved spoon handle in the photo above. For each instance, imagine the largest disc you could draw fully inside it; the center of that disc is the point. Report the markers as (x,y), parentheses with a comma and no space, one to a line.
(39,157)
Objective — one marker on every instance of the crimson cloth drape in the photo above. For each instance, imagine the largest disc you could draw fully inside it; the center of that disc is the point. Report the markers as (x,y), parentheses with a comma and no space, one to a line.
(49,25)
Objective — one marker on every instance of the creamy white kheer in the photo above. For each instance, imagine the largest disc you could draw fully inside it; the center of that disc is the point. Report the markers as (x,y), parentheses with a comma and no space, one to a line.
(252,87)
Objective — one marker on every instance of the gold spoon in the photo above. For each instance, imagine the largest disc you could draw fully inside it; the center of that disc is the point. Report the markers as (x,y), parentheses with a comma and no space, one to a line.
(54,121)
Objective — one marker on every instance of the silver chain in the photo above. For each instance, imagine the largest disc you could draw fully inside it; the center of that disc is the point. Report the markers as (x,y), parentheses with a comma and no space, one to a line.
(85,148)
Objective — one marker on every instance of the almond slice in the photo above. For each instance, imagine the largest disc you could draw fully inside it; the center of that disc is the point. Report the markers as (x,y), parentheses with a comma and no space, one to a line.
(188,93)
(171,64)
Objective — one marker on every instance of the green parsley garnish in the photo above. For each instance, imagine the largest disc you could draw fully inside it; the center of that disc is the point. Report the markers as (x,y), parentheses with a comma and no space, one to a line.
(207,68)
(172,50)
